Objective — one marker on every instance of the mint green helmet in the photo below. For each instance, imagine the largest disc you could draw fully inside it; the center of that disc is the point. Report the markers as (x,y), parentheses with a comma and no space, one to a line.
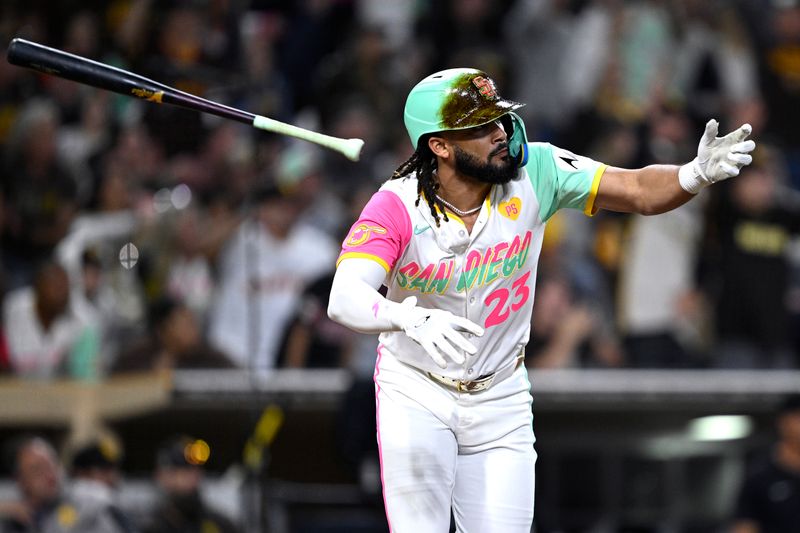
(461,98)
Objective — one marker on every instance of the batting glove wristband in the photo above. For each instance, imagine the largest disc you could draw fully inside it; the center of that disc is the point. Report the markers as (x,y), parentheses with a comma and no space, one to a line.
(718,158)
(437,331)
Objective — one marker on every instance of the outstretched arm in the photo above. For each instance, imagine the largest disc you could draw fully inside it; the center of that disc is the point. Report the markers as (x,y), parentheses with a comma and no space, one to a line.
(659,188)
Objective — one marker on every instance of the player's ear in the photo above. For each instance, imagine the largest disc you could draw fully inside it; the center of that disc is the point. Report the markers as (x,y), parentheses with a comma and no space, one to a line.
(438,146)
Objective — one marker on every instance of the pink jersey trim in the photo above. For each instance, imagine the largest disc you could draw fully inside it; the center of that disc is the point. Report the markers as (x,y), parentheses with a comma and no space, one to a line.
(378,427)
(382,231)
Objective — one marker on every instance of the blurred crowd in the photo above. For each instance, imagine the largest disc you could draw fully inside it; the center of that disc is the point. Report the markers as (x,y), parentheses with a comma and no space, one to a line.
(139,236)
(82,490)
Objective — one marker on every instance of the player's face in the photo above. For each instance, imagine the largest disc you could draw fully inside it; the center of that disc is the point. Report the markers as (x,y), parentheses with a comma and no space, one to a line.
(469,147)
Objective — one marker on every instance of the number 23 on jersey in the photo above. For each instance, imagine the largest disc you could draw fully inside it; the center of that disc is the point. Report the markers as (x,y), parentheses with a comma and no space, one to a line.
(502,302)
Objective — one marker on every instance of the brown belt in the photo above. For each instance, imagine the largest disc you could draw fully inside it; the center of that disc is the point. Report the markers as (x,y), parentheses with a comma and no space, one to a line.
(481,383)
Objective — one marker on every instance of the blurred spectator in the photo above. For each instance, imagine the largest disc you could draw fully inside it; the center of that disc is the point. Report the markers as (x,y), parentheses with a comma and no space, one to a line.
(186,48)
(221,218)
(46,338)
(311,29)
(174,341)
(776,27)
(312,339)
(393,17)
(177,253)
(214,161)
(566,332)
(265,89)
(16,86)
(133,164)
(44,505)
(752,222)
(540,36)
(661,312)
(769,497)
(94,468)
(82,34)
(462,27)
(616,67)
(300,172)
(40,195)
(38,476)
(353,119)
(78,143)
(262,273)
(188,270)
(714,63)
(179,477)
(363,69)
(221,39)
(90,256)
(95,477)
(642,61)
(114,186)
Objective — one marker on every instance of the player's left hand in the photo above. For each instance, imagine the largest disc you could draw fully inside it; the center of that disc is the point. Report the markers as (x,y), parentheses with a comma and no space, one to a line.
(718,158)
(437,331)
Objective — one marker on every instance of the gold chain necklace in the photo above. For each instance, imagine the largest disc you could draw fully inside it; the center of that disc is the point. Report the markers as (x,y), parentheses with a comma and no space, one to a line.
(458,211)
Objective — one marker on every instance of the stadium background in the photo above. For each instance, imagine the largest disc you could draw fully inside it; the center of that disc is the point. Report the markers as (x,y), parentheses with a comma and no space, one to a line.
(642,326)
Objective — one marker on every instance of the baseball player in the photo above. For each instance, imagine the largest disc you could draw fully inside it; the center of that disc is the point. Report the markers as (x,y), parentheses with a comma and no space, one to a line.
(455,236)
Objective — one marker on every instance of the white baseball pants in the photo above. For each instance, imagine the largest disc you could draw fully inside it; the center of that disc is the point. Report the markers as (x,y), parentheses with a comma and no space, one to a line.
(441,449)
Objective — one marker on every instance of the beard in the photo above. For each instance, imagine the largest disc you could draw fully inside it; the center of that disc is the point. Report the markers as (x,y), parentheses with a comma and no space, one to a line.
(486,172)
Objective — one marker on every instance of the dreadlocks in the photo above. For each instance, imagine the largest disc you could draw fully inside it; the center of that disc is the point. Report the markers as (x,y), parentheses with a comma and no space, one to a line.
(423,162)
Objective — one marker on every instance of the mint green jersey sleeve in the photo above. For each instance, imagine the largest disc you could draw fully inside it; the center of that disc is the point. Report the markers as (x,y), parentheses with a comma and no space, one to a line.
(562,179)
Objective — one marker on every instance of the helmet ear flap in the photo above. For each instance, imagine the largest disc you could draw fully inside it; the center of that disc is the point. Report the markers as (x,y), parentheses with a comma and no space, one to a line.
(517,139)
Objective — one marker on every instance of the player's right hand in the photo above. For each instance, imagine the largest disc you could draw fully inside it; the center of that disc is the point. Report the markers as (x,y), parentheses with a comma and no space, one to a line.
(437,331)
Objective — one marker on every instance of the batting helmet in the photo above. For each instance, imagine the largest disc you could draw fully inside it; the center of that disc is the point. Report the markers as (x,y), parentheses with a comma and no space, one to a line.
(461,98)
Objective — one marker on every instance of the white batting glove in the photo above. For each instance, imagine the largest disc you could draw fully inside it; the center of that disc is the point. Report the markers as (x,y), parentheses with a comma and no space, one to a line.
(718,158)
(437,331)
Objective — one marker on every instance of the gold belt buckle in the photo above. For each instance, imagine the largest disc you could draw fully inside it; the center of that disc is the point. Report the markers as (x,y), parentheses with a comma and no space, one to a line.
(476,385)
(481,383)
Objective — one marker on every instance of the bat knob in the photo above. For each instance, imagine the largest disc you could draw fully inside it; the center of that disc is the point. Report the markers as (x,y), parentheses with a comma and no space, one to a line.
(351,148)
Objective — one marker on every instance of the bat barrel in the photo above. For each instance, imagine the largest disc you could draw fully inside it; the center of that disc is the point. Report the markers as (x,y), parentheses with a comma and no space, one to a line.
(88,72)
(75,68)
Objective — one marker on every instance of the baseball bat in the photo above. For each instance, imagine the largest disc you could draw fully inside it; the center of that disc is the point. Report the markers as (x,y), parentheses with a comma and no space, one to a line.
(56,62)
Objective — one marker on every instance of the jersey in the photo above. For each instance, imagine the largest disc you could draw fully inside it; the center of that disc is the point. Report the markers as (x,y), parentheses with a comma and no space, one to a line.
(486,275)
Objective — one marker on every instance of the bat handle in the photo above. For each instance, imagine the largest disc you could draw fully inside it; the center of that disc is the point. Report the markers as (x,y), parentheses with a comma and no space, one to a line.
(350,148)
